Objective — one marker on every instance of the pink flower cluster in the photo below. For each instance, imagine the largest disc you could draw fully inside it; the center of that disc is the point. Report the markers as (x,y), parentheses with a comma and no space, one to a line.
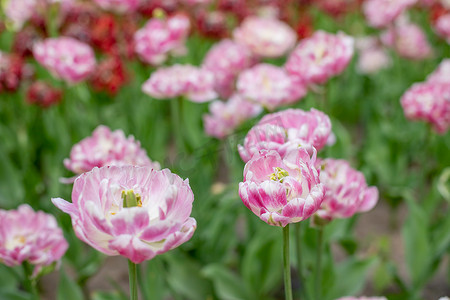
(226,60)
(381,13)
(408,40)
(270,86)
(265,37)
(281,190)
(285,130)
(136,212)
(196,84)
(30,236)
(66,58)
(224,117)
(346,191)
(118,6)
(160,37)
(319,57)
(106,148)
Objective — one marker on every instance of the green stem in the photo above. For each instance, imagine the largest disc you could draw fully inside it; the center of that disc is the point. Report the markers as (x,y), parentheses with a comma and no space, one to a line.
(298,236)
(142,283)
(132,274)
(30,282)
(286,263)
(318,280)
(175,106)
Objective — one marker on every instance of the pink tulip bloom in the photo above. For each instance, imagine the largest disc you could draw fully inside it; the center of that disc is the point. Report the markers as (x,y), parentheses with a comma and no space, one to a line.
(265,37)
(159,38)
(136,212)
(107,148)
(118,6)
(321,56)
(408,40)
(285,130)
(270,86)
(346,191)
(26,235)
(66,58)
(194,83)
(442,73)
(226,60)
(381,13)
(442,27)
(372,56)
(224,117)
(362,298)
(430,102)
(281,190)
(19,11)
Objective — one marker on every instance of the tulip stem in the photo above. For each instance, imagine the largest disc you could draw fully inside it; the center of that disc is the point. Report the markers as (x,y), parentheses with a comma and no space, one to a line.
(175,105)
(287,265)
(30,282)
(317,285)
(298,236)
(132,274)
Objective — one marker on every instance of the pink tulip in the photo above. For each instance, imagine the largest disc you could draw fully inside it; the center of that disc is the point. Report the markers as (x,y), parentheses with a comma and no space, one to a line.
(442,73)
(281,190)
(372,56)
(224,117)
(195,83)
(65,58)
(346,191)
(430,102)
(381,13)
(106,148)
(442,27)
(408,40)
(26,235)
(265,37)
(269,86)
(160,37)
(19,11)
(321,56)
(118,6)
(226,60)
(136,212)
(285,130)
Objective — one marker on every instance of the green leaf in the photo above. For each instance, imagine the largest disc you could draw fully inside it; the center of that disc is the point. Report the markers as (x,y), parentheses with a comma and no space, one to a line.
(227,285)
(106,296)
(14,295)
(68,289)
(185,278)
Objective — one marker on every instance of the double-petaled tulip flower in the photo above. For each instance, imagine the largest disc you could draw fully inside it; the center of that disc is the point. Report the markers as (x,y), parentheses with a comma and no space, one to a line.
(428,101)
(34,237)
(346,190)
(381,13)
(107,148)
(321,56)
(66,58)
(441,74)
(224,117)
(225,60)
(118,6)
(196,84)
(161,37)
(372,55)
(285,130)
(265,37)
(136,212)
(281,190)
(269,86)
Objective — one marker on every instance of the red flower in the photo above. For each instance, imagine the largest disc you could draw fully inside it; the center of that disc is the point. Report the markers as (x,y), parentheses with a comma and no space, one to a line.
(43,94)
(109,76)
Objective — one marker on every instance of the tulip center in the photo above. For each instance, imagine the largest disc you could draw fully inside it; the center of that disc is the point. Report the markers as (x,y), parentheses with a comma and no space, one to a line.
(279,174)
(16,241)
(130,199)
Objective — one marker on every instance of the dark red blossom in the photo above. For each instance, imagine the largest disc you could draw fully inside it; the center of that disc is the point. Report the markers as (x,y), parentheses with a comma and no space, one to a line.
(109,76)
(43,94)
